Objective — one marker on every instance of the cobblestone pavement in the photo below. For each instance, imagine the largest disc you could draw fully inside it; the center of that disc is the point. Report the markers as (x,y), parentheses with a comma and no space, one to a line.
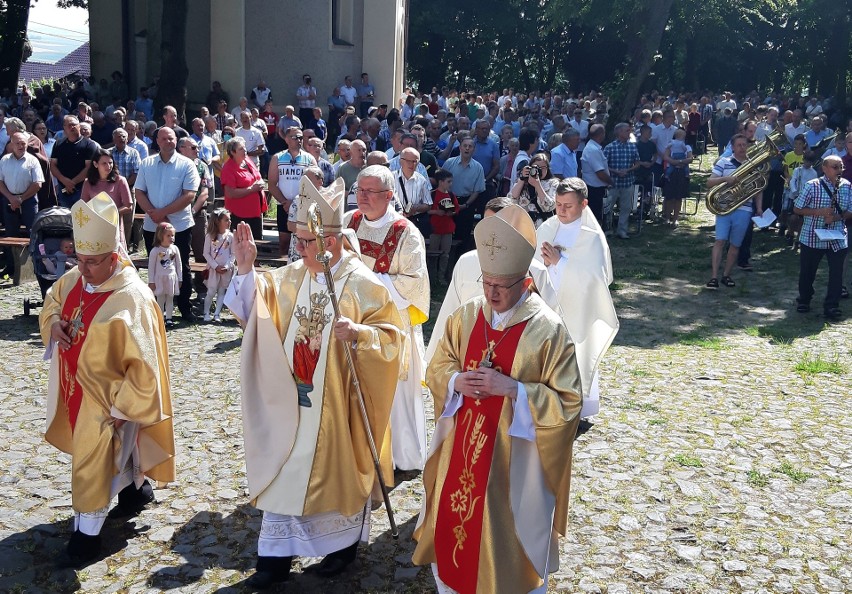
(720,461)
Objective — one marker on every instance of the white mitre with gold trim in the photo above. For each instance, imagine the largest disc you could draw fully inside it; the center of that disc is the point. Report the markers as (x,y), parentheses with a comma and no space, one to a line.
(505,243)
(330,202)
(96,225)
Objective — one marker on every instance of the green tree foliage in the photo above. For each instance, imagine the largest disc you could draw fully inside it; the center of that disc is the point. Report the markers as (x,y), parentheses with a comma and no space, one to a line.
(783,45)
(14,15)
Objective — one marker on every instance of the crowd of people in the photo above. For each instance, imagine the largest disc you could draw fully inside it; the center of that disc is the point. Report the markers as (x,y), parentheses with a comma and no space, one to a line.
(505,193)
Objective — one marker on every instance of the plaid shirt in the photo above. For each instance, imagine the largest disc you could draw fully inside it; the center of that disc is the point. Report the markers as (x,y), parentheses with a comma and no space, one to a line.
(814,195)
(127,161)
(621,155)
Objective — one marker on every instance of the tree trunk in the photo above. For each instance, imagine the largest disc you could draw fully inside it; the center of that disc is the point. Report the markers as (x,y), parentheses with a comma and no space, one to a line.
(838,52)
(14,36)
(174,72)
(654,16)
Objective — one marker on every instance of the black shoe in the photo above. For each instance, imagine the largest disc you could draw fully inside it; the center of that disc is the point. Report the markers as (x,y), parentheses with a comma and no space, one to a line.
(131,501)
(336,563)
(170,324)
(844,292)
(270,570)
(81,550)
(584,426)
(263,580)
(834,313)
(187,316)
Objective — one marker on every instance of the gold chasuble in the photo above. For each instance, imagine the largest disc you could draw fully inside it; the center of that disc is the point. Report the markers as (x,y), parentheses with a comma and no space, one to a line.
(494,503)
(117,366)
(306,449)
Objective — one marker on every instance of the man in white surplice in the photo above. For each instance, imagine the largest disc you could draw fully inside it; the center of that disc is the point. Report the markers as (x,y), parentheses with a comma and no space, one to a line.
(465,285)
(574,249)
(395,250)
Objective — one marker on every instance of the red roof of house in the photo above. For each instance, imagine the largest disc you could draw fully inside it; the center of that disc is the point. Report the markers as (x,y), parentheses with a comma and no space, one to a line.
(76,63)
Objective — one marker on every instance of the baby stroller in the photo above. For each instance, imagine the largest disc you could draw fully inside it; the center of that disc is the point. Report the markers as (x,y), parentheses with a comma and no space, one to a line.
(50,227)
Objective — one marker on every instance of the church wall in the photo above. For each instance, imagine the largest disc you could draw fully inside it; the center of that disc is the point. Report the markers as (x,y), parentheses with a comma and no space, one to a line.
(287,39)
(104,37)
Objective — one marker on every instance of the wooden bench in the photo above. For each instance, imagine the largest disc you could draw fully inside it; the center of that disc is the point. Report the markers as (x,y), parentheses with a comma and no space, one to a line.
(20,250)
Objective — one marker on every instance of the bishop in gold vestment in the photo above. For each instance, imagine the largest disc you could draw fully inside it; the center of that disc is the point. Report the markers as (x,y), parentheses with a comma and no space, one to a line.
(109,399)
(506,385)
(307,456)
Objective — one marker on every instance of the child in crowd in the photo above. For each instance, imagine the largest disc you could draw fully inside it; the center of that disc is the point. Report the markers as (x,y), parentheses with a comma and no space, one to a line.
(678,154)
(792,161)
(445,206)
(218,251)
(802,175)
(678,149)
(165,274)
(647,152)
(63,259)
(839,147)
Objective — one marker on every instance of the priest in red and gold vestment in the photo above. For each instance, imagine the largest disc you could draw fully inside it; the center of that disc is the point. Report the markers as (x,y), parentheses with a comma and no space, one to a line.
(507,389)
(394,249)
(109,399)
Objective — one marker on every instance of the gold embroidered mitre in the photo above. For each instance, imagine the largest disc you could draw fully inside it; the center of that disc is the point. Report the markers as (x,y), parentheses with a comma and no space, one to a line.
(329,201)
(505,242)
(95,225)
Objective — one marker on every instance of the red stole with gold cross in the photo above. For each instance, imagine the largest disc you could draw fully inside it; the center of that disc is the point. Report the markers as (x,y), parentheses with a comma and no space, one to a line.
(382,253)
(79,310)
(458,526)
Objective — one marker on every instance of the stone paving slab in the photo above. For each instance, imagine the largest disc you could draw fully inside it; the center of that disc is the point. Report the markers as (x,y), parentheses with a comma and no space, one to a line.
(720,461)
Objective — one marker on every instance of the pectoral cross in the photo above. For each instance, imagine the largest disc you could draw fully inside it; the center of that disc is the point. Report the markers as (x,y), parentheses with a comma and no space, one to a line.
(487,354)
(76,325)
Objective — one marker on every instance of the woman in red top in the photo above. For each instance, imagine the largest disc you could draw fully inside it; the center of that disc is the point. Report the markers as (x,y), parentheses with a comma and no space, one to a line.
(693,126)
(243,188)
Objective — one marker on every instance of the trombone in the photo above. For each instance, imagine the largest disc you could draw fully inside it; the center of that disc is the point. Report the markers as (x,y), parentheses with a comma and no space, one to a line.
(315,226)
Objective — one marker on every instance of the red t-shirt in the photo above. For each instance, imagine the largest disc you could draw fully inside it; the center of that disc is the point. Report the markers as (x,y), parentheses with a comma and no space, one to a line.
(235,176)
(444,225)
(271,120)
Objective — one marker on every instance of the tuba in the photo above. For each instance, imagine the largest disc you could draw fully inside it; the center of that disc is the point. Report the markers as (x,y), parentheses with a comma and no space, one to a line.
(820,149)
(752,177)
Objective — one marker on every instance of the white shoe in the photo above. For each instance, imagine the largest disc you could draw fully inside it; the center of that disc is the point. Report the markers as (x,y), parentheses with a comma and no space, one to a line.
(217,318)
(206,317)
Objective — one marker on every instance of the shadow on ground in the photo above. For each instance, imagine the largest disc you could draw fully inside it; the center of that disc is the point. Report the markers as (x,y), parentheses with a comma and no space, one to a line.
(29,558)
(211,540)
(660,296)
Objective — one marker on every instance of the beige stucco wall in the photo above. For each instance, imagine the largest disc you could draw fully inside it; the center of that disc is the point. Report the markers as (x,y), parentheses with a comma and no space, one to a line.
(287,40)
(227,46)
(384,31)
(104,37)
(198,53)
(239,41)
